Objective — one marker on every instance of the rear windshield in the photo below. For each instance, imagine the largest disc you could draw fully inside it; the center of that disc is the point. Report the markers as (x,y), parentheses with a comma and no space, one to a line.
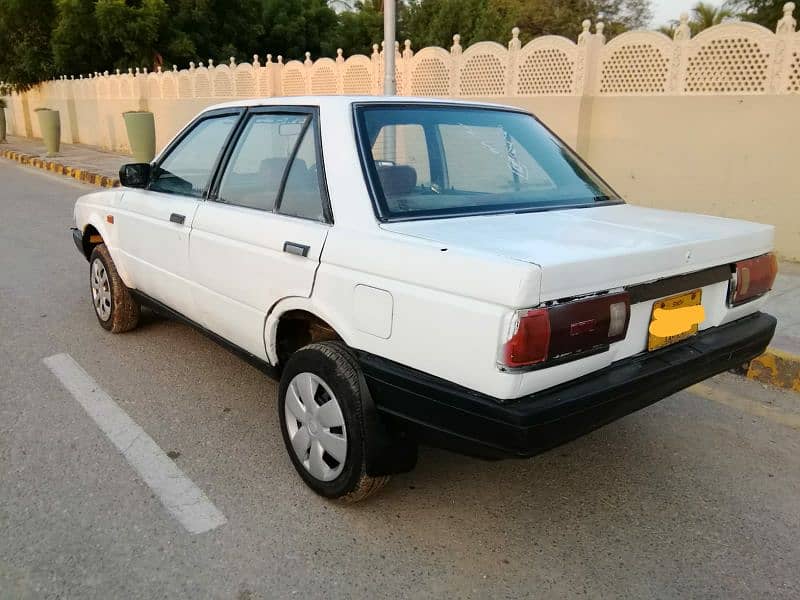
(429,161)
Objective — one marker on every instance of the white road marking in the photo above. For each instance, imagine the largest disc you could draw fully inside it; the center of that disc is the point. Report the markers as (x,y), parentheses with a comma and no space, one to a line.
(179,495)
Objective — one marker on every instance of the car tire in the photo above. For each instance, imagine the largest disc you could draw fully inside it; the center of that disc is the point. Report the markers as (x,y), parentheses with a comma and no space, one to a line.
(326,442)
(114,306)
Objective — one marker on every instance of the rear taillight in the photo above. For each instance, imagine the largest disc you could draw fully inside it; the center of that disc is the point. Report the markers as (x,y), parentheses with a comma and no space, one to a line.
(752,278)
(566,331)
(530,339)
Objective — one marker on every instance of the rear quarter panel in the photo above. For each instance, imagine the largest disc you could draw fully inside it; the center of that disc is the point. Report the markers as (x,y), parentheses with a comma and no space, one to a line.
(448,307)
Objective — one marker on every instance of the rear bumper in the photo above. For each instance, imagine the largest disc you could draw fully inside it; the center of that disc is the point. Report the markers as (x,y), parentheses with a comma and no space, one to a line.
(460,419)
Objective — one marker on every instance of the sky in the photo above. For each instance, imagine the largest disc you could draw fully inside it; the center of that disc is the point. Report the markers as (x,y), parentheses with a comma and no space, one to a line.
(665,11)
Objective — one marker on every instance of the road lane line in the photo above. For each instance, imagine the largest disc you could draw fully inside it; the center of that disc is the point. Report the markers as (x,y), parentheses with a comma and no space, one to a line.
(179,495)
(753,407)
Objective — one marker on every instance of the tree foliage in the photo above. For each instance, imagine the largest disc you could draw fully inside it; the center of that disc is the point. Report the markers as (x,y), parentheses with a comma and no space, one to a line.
(435,21)
(763,12)
(705,15)
(26,27)
(39,38)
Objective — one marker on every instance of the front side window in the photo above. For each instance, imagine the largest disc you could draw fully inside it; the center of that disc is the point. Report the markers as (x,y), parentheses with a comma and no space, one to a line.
(429,161)
(187,169)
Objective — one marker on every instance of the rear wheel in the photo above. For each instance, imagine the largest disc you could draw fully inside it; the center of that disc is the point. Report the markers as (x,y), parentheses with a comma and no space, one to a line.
(115,308)
(322,420)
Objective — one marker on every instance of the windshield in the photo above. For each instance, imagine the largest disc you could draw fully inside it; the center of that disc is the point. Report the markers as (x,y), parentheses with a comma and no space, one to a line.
(429,161)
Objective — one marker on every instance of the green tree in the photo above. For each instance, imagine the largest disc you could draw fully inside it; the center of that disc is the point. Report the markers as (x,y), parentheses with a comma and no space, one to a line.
(218,29)
(294,27)
(25,30)
(764,12)
(130,33)
(360,27)
(705,15)
(433,22)
(76,45)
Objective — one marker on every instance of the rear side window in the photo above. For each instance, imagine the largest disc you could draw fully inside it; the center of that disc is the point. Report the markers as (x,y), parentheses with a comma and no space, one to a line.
(255,171)
(187,169)
(301,196)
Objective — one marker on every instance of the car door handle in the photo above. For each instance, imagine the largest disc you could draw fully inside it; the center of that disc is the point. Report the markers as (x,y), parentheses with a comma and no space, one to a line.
(176,218)
(295,248)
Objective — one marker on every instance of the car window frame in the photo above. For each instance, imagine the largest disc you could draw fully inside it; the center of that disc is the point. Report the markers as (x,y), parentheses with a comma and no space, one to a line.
(370,174)
(312,124)
(183,134)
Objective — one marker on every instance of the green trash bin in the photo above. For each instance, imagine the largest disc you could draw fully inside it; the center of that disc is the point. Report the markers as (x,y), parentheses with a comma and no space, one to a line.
(50,125)
(141,127)
(2,121)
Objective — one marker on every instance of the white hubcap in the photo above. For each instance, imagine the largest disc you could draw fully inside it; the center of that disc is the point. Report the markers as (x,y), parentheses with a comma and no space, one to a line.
(316,428)
(101,290)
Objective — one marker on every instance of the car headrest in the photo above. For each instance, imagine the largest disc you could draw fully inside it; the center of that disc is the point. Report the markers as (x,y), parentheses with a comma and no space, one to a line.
(397,180)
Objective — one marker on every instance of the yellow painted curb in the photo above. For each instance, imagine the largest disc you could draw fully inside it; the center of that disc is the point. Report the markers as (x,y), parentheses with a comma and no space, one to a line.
(60,169)
(777,368)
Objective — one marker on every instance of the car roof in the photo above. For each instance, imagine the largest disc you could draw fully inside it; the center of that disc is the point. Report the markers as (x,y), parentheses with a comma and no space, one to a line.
(344,102)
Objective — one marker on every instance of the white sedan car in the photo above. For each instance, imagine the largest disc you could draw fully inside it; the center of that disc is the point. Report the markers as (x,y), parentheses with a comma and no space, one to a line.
(422,270)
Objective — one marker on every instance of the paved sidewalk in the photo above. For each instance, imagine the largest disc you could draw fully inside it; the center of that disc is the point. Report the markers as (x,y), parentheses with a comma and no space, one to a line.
(784,303)
(779,366)
(77,157)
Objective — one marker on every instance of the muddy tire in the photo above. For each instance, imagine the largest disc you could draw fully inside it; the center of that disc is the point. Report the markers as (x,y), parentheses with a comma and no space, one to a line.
(114,307)
(321,412)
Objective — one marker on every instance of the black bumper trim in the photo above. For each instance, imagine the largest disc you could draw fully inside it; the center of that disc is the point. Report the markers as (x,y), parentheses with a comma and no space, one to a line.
(443,413)
(77,237)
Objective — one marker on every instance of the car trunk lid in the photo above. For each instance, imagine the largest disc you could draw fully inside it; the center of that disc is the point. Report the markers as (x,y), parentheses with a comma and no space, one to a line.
(587,250)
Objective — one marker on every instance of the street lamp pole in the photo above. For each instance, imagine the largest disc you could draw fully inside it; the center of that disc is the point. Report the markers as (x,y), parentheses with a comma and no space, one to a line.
(389,21)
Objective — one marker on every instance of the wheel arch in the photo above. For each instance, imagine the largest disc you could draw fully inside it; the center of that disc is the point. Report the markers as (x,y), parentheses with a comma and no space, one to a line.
(316,324)
(96,226)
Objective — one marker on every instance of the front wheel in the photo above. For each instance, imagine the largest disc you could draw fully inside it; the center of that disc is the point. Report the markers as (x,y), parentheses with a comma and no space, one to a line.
(115,308)
(320,407)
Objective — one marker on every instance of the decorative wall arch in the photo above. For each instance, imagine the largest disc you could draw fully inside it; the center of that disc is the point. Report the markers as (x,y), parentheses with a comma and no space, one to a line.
(546,66)
(637,62)
(357,75)
(324,77)
(202,83)
(293,79)
(483,70)
(431,69)
(245,77)
(731,58)
(223,82)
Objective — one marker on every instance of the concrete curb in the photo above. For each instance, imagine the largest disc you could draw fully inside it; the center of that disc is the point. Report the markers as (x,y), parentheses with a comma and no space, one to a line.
(776,367)
(61,169)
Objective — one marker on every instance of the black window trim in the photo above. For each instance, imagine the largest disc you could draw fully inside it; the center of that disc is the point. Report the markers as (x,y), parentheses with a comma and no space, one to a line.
(312,112)
(184,133)
(370,173)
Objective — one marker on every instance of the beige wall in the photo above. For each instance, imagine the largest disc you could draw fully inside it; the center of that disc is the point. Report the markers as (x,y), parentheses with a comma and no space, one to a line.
(171,115)
(732,156)
(706,124)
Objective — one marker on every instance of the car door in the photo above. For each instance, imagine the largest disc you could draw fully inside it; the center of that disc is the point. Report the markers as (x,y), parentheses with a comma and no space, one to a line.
(259,237)
(153,224)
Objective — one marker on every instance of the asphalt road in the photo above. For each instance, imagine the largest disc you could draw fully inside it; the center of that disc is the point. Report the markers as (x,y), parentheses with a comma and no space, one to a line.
(696,496)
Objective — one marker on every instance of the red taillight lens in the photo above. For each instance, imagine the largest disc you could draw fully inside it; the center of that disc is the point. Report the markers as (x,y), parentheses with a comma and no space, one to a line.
(549,334)
(529,343)
(753,278)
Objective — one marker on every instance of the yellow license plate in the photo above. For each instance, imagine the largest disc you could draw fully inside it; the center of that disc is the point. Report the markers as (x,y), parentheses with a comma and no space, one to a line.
(674,319)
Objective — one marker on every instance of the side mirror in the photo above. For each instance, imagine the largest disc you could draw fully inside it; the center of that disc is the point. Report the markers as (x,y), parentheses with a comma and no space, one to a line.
(135,175)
